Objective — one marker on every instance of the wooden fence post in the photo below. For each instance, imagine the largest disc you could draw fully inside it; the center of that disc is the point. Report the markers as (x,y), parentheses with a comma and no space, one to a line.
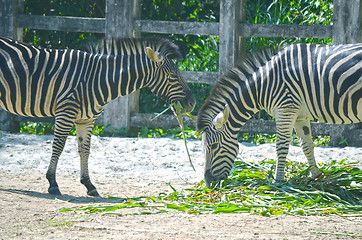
(242,19)
(347,21)
(228,34)
(120,17)
(8,28)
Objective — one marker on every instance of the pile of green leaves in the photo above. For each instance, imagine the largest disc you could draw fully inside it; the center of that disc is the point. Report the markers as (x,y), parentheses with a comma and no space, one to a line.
(250,189)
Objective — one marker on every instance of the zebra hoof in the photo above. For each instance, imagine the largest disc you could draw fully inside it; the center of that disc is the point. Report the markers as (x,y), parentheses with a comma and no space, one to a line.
(54,191)
(93,193)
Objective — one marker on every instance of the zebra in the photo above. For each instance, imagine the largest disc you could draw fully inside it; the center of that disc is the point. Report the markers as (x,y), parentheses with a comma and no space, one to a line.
(74,86)
(299,83)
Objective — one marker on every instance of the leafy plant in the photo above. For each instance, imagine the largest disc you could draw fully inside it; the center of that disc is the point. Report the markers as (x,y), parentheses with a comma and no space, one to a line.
(42,128)
(59,223)
(249,189)
(38,128)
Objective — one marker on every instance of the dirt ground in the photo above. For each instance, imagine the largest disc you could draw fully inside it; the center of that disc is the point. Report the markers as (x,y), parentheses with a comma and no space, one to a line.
(124,167)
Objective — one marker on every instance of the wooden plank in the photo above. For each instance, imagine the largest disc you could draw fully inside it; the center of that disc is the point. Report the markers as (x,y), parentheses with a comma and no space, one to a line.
(269,127)
(165,121)
(228,34)
(8,28)
(273,30)
(347,21)
(169,27)
(62,23)
(97,25)
(242,40)
(200,77)
(34,119)
(8,19)
(168,121)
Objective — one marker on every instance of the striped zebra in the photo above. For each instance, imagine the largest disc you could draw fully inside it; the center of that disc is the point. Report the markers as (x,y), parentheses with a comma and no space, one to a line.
(297,84)
(74,86)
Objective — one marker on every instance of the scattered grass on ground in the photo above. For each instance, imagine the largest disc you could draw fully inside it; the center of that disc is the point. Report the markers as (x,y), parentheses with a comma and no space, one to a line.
(250,189)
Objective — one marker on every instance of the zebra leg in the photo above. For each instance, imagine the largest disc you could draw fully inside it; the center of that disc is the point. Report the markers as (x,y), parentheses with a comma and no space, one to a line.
(63,125)
(84,133)
(302,127)
(285,119)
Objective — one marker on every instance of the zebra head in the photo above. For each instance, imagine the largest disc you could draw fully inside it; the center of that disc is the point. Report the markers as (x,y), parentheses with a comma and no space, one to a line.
(220,146)
(168,83)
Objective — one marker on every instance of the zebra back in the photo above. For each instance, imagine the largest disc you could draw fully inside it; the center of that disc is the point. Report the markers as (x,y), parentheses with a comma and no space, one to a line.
(126,46)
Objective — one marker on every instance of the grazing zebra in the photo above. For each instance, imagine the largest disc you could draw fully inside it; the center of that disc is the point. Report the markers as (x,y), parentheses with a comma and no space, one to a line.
(295,85)
(74,86)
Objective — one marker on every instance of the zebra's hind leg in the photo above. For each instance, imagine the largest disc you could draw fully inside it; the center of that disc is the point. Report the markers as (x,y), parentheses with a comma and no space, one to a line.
(84,133)
(302,127)
(285,119)
(63,125)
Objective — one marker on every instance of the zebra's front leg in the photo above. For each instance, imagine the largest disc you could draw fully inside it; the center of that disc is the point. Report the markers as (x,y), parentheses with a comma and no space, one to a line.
(285,119)
(61,131)
(84,133)
(302,127)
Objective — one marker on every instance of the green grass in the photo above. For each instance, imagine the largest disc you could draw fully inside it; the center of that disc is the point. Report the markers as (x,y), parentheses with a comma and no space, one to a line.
(250,189)
(58,223)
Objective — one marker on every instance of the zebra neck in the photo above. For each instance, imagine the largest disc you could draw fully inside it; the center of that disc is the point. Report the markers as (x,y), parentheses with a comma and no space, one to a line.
(243,104)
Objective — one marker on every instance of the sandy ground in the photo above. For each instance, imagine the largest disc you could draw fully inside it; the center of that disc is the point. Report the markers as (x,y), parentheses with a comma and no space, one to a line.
(131,167)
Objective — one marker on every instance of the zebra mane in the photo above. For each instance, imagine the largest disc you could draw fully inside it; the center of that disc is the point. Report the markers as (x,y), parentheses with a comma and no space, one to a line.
(124,46)
(227,84)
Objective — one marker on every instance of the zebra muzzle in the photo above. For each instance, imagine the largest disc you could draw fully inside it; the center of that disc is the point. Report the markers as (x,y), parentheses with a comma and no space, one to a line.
(188,103)
(210,180)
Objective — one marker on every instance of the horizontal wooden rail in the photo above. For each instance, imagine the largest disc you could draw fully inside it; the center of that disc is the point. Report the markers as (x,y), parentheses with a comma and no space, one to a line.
(97,25)
(62,23)
(200,77)
(170,27)
(273,30)
(252,126)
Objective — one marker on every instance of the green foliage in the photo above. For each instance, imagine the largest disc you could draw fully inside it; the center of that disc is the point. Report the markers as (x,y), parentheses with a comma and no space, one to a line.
(59,223)
(98,130)
(41,128)
(249,189)
(38,128)
(297,12)
(260,138)
(321,140)
(257,138)
(172,133)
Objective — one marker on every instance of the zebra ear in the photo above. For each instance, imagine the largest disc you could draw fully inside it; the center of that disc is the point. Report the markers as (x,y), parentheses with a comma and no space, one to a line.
(222,117)
(155,56)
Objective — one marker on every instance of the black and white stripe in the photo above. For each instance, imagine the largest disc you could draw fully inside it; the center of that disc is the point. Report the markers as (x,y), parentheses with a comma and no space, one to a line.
(74,86)
(297,84)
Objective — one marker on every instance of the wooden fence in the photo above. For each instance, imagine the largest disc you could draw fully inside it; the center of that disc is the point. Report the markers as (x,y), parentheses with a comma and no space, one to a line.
(122,20)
